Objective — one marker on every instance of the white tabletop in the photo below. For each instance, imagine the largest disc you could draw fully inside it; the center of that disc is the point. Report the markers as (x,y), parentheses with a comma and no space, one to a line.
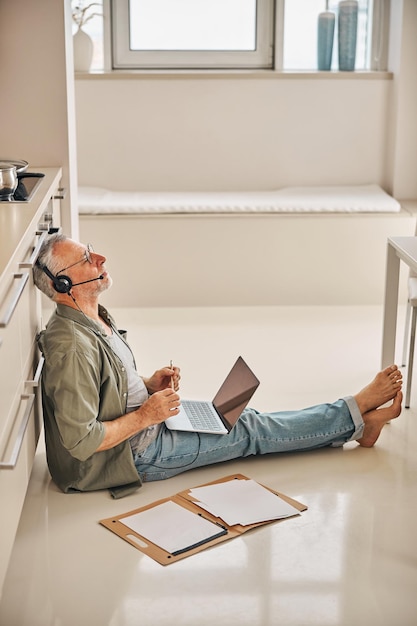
(406,249)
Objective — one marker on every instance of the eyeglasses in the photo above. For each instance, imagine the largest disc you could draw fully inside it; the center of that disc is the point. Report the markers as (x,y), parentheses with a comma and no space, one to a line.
(86,258)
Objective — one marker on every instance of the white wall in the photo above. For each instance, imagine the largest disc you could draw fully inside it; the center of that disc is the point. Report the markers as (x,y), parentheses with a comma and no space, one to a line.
(241,133)
(37,91)
(245,260)
(403,145)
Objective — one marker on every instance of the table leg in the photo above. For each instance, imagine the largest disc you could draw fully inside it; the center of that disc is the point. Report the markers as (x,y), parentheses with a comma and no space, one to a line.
(390,307)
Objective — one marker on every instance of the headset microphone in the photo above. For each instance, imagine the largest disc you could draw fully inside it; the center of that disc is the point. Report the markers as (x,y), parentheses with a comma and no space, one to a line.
(88,281)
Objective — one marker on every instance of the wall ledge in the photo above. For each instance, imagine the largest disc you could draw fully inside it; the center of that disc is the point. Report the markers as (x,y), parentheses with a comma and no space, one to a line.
(229,75)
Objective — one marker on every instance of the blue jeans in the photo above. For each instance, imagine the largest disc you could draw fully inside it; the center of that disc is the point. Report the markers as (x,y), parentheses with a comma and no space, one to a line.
(173,452)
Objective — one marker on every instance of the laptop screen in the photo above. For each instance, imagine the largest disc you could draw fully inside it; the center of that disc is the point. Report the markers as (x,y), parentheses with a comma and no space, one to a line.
(235,393)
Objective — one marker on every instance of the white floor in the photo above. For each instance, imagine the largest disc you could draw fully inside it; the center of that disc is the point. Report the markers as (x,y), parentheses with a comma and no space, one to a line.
(350,559)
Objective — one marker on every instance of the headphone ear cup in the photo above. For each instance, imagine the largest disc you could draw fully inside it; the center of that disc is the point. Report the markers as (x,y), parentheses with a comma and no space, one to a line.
(62,284)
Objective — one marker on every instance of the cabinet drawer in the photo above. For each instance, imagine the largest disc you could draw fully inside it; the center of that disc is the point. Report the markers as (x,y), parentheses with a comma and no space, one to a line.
(13,482)
(11,373)
(18,341)
(26,402)
(28,314)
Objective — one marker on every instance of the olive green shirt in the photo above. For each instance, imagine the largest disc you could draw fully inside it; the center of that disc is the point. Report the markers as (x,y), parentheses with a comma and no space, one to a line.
(84,384)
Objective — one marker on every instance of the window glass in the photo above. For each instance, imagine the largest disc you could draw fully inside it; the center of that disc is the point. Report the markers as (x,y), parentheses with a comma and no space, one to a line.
(193,24)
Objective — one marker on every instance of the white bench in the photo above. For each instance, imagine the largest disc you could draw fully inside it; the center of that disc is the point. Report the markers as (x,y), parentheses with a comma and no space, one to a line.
(333,199)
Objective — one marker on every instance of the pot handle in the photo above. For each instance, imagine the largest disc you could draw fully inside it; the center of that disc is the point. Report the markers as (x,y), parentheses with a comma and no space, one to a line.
(30,175)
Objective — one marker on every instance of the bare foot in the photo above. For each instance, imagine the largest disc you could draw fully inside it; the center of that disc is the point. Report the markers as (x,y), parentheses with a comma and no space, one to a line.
(383,388)
(375,421)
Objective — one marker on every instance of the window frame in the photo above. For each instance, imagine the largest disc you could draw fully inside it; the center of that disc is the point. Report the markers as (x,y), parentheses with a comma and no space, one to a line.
(125,59)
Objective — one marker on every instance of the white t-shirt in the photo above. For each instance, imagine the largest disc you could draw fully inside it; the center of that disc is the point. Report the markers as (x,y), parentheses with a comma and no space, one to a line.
(136,393)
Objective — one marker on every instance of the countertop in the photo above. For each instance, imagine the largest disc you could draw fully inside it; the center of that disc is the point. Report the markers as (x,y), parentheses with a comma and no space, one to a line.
(16,219)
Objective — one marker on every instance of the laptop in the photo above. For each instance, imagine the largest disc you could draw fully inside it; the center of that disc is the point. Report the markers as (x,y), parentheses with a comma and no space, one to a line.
(219,416)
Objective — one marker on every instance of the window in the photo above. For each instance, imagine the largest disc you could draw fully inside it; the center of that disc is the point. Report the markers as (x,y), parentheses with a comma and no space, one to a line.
(192,33)
(230,34)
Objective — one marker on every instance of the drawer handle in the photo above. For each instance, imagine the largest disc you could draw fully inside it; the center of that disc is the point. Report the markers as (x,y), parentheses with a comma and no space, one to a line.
(11,462)
(35,253)
(23,278)
(37,377)
(61,193)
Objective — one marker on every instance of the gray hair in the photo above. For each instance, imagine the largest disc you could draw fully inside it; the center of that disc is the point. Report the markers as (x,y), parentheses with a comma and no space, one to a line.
(46,257)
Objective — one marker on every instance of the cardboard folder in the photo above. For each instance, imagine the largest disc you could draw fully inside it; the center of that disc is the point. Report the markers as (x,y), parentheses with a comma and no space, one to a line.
(220,530)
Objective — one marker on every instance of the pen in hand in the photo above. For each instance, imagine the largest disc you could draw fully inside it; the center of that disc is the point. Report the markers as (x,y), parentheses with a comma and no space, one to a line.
(172,378)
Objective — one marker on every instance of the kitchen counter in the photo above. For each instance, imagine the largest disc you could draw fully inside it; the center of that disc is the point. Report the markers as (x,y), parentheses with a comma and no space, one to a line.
(18,218)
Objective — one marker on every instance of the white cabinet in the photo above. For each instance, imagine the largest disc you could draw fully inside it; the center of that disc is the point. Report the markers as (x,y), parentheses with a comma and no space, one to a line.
(23,230)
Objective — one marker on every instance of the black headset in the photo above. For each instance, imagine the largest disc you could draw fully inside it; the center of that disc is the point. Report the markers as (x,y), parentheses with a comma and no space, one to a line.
(61,284)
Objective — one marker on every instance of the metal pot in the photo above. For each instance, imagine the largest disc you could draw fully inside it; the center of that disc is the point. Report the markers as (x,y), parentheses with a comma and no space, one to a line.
(21,166)
(8,180)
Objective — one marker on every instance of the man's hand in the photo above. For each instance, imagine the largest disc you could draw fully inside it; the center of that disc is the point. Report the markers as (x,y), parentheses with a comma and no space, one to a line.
(156,409)
(159,406)
(163,378)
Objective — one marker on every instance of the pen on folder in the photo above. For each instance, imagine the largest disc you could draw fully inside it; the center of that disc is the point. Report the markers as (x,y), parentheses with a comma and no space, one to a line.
(222,532)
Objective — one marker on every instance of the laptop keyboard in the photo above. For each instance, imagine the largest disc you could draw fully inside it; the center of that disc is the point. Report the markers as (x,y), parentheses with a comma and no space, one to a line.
(201,416)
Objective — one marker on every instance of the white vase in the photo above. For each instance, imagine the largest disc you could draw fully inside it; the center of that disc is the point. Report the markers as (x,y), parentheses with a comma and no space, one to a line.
(83,51)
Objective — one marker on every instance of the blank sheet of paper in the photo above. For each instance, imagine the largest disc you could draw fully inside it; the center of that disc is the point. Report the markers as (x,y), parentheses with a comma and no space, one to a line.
(242,502)
(172,527)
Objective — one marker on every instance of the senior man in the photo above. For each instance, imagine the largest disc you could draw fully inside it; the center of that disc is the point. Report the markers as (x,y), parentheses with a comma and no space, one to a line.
(104,423)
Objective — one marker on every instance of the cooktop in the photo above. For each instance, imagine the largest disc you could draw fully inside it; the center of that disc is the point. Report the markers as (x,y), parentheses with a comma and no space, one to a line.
(26,187)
